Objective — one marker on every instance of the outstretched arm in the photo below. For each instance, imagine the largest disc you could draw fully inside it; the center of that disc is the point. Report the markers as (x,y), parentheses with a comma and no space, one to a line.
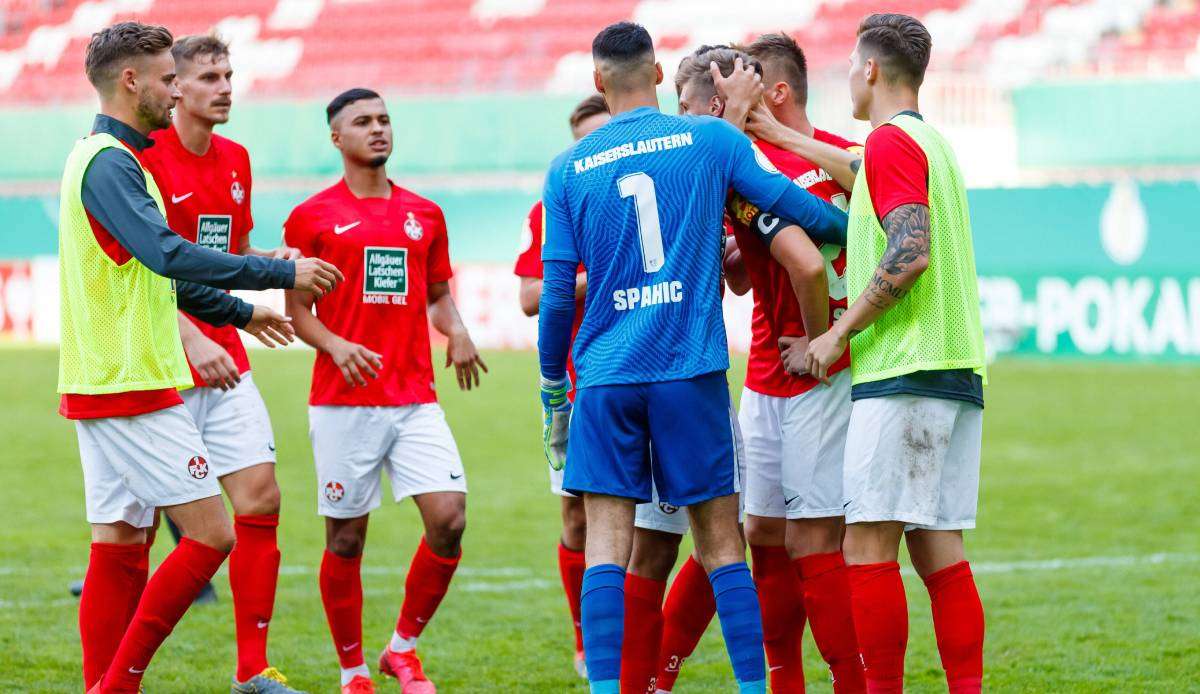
(904,259)
(840,163)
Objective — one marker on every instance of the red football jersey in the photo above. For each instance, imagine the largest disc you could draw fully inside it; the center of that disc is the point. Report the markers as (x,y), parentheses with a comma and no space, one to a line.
(776,311)
(390,252)
(529,264)
(208,203)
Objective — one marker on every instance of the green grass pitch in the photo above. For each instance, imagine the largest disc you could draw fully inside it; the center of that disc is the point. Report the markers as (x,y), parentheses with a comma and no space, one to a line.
(1087,555)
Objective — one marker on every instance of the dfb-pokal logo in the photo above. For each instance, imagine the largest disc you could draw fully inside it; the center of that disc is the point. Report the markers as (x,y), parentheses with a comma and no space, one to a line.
(198,467)
(334,491)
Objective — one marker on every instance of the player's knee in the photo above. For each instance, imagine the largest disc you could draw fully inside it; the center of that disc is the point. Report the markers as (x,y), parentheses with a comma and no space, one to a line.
(219,538)
(347,544)
(814,536)
(444,533)
(574,525)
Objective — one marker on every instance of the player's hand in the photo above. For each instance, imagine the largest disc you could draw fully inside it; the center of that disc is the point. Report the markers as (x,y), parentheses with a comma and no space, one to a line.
(212,362)
(763,124)
(270,328)
(793,351)
(316,276)
(824,351)
(286,253)
(357,363)
(740,91)
(556,418)
(461,352)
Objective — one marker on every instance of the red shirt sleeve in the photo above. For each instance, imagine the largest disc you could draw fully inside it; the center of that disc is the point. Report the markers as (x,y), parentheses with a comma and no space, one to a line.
(529,262)
(298,234)
(896,169)
(438,262)
(248,217)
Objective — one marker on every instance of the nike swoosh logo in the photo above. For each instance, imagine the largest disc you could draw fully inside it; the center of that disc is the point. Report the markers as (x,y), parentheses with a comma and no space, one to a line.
(339,229)
(347,649)
(776,667)
(455,477)
(135,671)
(421,621)
(262,624)
(271,446)
(788,502)
(180,198)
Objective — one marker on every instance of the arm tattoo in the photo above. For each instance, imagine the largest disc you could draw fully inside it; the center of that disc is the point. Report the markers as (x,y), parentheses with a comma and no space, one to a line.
(855,166)
(907,229)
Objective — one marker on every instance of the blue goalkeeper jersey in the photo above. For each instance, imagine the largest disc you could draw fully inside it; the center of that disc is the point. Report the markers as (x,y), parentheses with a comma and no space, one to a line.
(640,203)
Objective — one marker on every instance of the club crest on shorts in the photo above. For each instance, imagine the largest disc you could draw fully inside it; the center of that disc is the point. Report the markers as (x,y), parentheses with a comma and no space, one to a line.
(198,467)
(334,491)
(237,192)
(413,228)
(667,508)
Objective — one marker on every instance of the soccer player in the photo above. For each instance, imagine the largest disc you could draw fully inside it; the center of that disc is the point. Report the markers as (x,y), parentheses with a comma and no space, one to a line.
(588,115)
(639,203)
(121,360)
(207,181)
(913,327)
(373,408)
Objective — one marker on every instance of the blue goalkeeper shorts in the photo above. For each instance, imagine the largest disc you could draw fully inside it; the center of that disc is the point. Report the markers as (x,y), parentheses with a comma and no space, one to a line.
(688,424)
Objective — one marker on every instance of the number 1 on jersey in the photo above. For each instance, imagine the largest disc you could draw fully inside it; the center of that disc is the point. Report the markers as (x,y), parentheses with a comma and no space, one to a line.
(645,203)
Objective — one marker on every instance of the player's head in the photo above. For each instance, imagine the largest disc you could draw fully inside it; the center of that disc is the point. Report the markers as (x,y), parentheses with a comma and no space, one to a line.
(589,114)
(204,76)
(784,70)
(131,67)
(623,54)
(360,127)
(891,54)
(694,81)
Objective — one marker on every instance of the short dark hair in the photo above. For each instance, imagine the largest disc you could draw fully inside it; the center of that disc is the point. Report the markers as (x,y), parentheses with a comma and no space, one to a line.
(782,52)
(119,42)
(346,98)
(188,47)
(695,67)
(591,106)
(622,42)
(901,43)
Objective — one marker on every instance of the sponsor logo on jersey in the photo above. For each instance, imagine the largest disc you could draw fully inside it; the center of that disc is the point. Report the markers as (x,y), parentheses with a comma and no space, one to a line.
(811,178)
(632,149)
(334,491)
(413,228)
(214,231)
(385,270)
(197,467)
(652,295)
(237,192)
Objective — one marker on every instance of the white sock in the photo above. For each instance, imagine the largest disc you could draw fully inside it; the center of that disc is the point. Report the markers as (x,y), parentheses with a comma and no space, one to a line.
(350,673)
(400,644)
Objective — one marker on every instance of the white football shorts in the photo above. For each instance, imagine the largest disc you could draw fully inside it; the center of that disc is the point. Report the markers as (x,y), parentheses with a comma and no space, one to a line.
(132,465)
(354,445)
(915,460)
(233,424)
(795,448)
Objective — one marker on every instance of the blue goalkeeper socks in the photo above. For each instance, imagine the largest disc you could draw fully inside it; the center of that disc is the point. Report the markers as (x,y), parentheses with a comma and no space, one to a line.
(741,624)
(603,606)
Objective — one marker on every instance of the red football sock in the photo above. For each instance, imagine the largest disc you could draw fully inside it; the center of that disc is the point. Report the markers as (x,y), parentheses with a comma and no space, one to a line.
(689,608)
(109,587)
(253,575)
(642,634)
(571,567)
(169,593)
(428,579)
(341,594)
(827,601)
(958,623)
(881,623)
(782,607)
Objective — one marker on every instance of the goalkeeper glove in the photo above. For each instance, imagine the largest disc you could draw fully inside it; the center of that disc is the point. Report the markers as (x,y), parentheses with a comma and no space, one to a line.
(556,417)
